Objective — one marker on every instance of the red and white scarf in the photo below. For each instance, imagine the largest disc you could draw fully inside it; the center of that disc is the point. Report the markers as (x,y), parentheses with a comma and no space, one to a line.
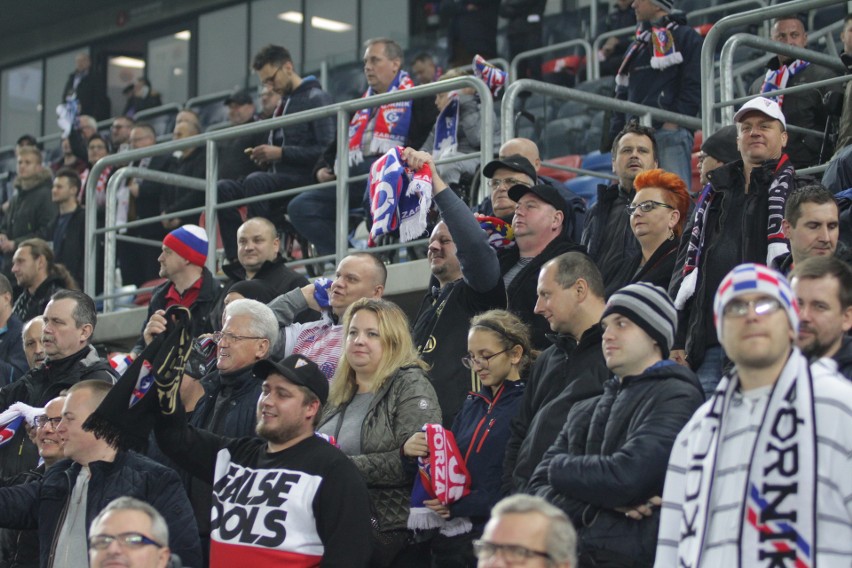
(391,126)
(442,475)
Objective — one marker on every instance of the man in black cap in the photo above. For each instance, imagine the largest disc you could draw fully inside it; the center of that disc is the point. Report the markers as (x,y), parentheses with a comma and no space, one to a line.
(538,224)
(234,163)
(287,496)
(503,174)
(718,149)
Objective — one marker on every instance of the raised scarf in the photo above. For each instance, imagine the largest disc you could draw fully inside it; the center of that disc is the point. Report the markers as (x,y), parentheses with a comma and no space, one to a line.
(777,79)
(493,77)
(399,197)
(782,183)
(778,511)
(662,41)
(391,126)
(12,418)
(446,129)
(442,475)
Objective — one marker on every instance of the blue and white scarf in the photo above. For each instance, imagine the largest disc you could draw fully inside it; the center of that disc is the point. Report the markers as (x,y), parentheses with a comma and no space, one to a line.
(446,129)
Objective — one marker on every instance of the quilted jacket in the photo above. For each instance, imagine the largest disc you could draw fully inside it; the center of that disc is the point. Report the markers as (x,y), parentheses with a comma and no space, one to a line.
(399,409)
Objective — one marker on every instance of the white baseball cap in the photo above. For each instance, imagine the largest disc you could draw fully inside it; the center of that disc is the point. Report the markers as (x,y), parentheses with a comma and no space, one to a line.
(766,106)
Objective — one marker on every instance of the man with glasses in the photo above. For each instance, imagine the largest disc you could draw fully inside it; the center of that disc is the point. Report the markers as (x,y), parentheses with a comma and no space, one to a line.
(503,174)
(607,466)
(230,392)
(20,547)
(465,281)
(188,283)
(527,531)
(119,133)
(607,234)
(290,152)
(65,501)
(129,533)
(572,368)
(760,474)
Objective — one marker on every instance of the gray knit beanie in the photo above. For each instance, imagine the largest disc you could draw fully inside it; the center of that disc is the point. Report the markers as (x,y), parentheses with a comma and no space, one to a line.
(667,5)
(649,307)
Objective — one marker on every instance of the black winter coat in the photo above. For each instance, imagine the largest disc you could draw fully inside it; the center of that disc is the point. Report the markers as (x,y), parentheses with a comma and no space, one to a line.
(42,505)
(37,388)
(844,358)
(522,292)
(201,310)
(565,373)
(613,452)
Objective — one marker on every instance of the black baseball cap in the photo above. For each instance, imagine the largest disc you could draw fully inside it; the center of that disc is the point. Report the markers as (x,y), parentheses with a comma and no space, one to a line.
(298,370)
(241,97)
(515,162)
(546,193)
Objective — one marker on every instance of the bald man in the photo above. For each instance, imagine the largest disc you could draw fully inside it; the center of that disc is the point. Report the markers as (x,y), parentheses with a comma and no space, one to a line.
(573,224)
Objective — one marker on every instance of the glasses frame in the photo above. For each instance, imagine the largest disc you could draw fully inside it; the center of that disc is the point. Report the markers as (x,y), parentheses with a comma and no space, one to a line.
(646,206)
(42,421)
(102,541)
(469,361)
(768,306)
(271,79)
(218,336)
(484,549)
(508,183)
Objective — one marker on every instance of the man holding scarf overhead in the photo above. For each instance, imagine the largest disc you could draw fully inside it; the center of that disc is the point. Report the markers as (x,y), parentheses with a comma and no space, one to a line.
(372,132)
(661,68)
(760,475)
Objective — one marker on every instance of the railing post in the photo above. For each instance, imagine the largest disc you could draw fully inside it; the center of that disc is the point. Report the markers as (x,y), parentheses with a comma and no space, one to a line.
(210,204)
(341,243)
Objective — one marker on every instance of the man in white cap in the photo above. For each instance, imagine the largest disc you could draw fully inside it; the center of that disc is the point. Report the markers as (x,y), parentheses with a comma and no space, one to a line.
(738,221)
(188,283)
(760,474)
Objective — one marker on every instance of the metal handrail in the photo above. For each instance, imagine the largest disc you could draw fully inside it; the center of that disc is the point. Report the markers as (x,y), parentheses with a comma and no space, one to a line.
(596,47)
(708,50)
(341,110)
(591,99)
(587,47)
(157,111)
(200,100)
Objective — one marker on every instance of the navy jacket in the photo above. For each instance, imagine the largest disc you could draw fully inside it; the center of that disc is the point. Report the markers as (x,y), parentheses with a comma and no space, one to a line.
(481,429)
(42,504)
(13,361)
(613,452)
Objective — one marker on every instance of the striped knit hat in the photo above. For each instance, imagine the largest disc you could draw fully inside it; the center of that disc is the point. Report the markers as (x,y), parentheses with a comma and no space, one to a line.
(755,278)
(190,242)
(649,307)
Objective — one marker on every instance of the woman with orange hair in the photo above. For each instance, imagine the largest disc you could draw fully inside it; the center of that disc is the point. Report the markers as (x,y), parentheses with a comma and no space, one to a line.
(657,215)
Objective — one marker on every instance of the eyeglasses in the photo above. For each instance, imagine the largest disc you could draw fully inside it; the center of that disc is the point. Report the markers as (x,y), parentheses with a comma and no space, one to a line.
(480,362)
(43,420)
(218,337)
(507,182)
(762,307)
(130,540)
(647,206)
(511,553)
(271,80)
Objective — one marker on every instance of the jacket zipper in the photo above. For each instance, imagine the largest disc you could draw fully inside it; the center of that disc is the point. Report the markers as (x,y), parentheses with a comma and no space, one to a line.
(487,430)
(491,404)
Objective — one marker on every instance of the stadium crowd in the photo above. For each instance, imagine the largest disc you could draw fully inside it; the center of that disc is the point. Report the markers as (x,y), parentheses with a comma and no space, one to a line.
(657,378)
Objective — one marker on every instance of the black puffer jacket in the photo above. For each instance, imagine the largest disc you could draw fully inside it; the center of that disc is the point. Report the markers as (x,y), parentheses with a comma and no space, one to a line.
(42,504)
(613,452)
(844,358)
(37,388)
(563,374)
(522,293)
(399,409)
(19,549)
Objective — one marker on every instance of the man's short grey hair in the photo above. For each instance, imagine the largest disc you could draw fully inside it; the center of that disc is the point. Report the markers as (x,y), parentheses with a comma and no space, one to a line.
(262,321)
(159,528)
(392,49)
(561,537)
(86,120)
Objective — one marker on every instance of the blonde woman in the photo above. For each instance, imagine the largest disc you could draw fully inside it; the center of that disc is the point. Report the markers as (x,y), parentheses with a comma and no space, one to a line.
(380,395)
